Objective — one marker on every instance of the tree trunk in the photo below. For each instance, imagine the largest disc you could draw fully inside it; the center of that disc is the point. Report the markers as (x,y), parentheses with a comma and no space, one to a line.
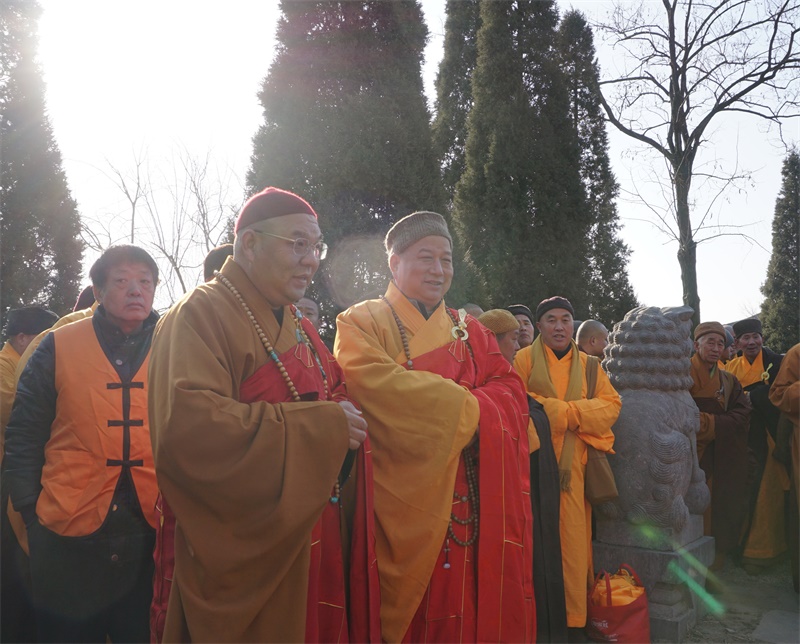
(687,246)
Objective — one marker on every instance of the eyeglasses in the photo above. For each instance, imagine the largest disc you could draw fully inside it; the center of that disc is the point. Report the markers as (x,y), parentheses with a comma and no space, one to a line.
(301,245)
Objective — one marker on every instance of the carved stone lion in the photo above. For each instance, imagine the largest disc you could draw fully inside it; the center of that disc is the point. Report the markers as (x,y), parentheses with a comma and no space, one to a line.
(659,480)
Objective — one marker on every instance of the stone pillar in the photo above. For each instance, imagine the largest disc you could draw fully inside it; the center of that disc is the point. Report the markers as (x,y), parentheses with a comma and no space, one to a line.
(656,524)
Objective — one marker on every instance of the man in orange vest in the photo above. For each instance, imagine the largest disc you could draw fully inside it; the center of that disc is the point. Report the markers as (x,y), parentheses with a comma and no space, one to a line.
(79,466)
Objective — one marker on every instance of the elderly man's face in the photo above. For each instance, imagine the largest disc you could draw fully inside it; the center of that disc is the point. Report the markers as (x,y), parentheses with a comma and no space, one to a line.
(279,274)
(556,328)
(525,330)
(750,344)
(127,296)
(424,270)
(709,348)
(509,344)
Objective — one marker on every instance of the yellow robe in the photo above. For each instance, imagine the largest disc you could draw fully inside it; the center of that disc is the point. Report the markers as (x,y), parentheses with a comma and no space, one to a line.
(591,420)
(8,388)
(247,482)
(785,395)
(419,423)
(767,537)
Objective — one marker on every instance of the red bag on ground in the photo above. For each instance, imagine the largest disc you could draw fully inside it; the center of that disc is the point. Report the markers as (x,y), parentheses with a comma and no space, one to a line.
(617,608)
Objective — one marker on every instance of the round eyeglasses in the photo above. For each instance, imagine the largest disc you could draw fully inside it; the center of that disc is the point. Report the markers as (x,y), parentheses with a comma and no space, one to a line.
(302,246)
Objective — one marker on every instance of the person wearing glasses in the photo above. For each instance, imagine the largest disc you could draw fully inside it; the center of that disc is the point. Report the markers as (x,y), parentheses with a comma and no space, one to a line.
(259,450)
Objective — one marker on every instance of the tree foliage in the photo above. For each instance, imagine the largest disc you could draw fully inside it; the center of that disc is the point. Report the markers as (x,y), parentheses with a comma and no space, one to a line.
(346,126)
(685,64)
(780,312)
(40,245)
(611,292)
(519,206)
(454,89)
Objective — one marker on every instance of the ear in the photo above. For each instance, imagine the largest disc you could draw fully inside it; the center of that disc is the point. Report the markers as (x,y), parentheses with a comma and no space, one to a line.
(539,327)
(98,294)
(394,260)
(248,243)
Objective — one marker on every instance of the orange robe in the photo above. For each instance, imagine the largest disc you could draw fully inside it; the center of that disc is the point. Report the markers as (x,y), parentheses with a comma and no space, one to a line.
(766,537)
(247,482)
(785,395)
(420,421)
(591,420)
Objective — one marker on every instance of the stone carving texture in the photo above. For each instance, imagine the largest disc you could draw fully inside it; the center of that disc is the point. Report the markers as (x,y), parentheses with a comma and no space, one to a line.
(658,477)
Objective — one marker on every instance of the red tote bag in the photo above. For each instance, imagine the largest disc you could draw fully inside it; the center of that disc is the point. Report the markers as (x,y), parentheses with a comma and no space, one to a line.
(617,608)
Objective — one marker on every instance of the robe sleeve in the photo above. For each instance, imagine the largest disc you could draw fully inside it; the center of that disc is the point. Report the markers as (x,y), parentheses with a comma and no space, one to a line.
(785,390)
(735,421)
(707,431)
(592,418)
(247,482)
(439,416)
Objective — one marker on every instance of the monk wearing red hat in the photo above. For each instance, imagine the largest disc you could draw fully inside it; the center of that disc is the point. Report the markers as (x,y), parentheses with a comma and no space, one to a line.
(259,450)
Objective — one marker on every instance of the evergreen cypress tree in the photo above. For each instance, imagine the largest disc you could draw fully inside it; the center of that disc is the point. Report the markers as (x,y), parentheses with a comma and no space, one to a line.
(519,207)
(347,126)
(40,245)
(611,292)
(780,312)
(454,89)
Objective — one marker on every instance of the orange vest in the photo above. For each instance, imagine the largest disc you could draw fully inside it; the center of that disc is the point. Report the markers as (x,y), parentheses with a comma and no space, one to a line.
(100,430)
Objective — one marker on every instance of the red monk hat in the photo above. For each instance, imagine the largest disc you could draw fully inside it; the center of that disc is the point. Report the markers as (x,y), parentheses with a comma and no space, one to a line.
(271,202)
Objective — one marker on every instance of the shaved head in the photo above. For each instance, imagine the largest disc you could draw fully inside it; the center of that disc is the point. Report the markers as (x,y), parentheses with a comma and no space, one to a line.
(592,337)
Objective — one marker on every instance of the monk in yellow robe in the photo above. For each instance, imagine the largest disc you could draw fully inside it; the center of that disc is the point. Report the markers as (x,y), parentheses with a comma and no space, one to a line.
(448,423)
(259,450)
(764,538)
(555,373)
(785,395)
(722,449)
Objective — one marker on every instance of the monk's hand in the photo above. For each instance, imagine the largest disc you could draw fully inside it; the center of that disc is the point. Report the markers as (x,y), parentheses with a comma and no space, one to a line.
(356,425)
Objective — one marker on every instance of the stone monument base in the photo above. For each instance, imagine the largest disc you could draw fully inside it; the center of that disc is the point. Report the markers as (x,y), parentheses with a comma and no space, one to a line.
(674,581)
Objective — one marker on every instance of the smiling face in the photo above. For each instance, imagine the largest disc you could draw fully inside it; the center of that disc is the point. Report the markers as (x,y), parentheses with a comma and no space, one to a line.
(127,296)
(424,271)
(750,344)
(271,264)
(556,326)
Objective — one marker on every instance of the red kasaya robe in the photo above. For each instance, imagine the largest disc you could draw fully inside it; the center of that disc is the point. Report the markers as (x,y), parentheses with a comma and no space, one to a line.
(420,423)
(327,618)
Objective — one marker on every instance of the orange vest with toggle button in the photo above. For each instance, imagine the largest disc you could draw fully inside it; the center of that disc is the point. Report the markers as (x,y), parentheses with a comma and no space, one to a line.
(100,430)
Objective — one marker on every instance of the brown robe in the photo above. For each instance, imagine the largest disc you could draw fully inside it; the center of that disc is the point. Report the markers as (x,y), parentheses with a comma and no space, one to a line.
(247,482)
(722,449)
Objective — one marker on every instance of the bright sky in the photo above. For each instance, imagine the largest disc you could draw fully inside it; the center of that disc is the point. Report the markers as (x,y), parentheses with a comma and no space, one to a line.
(147,78)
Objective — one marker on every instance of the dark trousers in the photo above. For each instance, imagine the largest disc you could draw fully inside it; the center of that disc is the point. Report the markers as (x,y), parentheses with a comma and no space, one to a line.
(87,589)
(17,620)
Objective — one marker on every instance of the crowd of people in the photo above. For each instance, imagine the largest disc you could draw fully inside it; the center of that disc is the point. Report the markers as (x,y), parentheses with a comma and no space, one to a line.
(216,473)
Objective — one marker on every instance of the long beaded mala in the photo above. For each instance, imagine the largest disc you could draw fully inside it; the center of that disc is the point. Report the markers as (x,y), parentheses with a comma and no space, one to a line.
(459,331)
(274,355)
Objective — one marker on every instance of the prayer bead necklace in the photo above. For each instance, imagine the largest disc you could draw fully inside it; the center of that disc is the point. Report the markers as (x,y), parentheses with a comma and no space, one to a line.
(473,495)
(274,355)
